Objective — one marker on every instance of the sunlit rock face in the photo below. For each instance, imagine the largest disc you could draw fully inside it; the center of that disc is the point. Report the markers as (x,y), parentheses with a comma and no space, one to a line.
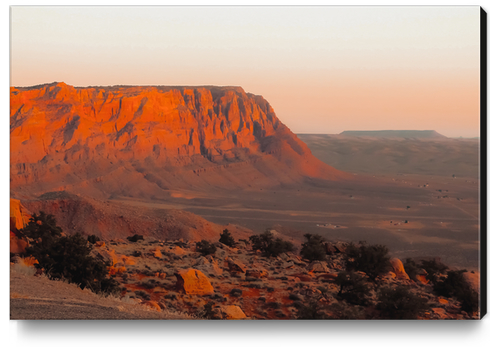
(142,140)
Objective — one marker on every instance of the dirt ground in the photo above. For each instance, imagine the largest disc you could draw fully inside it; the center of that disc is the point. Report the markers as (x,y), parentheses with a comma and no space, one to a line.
(441,213)
(38,298)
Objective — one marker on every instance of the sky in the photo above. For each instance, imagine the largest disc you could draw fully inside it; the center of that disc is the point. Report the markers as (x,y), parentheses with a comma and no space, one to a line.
(323,69)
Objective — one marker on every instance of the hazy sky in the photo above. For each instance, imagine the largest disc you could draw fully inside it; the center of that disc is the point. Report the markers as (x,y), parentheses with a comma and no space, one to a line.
(323,69)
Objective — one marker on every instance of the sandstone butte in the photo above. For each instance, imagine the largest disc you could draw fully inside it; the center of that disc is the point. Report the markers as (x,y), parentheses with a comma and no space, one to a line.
(143,140)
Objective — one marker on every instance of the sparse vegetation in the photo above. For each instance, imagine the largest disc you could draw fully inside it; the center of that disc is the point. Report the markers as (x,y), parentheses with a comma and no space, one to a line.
(310,310)
(353,288)
(135,238)
(269,245)
(66,257)
(205,247)
(227,239)
(399,303)
(313,248)
(455,285)
(411,268)
(373,260)
(93,239)
(434,269)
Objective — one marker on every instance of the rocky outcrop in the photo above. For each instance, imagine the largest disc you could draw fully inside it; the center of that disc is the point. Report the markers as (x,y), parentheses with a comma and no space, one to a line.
(398,269)
(232,312)
(192,281)
(19,217)
(141,141)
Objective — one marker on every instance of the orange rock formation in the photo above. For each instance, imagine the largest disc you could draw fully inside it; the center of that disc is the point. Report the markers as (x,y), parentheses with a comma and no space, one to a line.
(140,141)
(193,281)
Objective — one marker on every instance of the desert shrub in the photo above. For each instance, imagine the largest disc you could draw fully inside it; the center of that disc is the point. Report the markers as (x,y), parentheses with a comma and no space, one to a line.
(273,305)
(207,312)
(399,303)
(93,239)
(354,289)
(67,257)
(455,285)
(313,248)
(135,238)
(411,268)
(269,245)
(434,269)
(310,310)
(344,311)
(227,239)
(373,260)
(42,229)
(205,247)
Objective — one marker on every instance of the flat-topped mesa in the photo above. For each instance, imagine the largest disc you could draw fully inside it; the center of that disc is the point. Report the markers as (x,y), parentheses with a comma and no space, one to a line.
(58,131)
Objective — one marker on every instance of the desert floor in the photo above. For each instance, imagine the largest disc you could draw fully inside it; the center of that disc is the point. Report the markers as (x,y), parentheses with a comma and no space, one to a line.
(442,217)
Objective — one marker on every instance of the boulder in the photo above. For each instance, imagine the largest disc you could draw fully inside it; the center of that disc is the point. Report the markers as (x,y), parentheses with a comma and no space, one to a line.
(208,265)
(19,216)
(236,265)
(193,281)
(17,245)
(317,266)
(256,273)
(398,269)
(232,312)
(157,253)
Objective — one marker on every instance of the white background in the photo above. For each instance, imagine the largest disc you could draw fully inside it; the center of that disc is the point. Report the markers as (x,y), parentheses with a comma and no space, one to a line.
(210,333)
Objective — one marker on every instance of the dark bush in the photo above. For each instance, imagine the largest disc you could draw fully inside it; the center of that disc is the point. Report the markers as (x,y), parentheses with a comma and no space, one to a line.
(208,312)
(314,248)
(93,239)
(227,239)
(411,268)
(400,303)
(373,260)
(236,292)
(205,247)
(269,245)
(353,288)
(455,285)
(135,238)
(67,257)
(311,310)
(344,311)
(434,269)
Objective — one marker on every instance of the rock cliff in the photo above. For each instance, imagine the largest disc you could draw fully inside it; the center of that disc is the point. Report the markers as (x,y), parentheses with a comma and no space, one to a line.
(140,141)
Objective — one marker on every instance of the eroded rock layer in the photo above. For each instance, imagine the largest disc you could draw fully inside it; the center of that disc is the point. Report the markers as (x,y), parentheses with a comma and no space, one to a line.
(140,141)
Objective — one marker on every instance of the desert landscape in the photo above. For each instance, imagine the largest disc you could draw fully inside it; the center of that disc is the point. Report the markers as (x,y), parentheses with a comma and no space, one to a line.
(150,173)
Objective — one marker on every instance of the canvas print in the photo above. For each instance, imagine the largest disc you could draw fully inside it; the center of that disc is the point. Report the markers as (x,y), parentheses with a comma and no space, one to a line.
(250,163)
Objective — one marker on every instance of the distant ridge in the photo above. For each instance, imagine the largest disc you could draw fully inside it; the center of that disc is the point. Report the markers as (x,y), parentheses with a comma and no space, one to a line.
(418,134)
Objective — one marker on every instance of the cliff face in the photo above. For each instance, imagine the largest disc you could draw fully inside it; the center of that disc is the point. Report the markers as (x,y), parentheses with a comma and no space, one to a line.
(140,140)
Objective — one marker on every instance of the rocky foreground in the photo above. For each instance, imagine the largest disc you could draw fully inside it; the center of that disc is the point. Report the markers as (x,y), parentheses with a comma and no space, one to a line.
(239,283)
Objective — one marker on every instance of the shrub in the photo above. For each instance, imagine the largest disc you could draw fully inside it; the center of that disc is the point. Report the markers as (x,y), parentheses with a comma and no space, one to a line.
(455,285)
(341,310)
(269,245)
(411,268)
(205,247)
(93,239)
(373,260)
(313,248)
(353,288)
(207,312)
(310,310)
(66,257)
(400,303)
(135,238)
(434,269)
(227,239)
